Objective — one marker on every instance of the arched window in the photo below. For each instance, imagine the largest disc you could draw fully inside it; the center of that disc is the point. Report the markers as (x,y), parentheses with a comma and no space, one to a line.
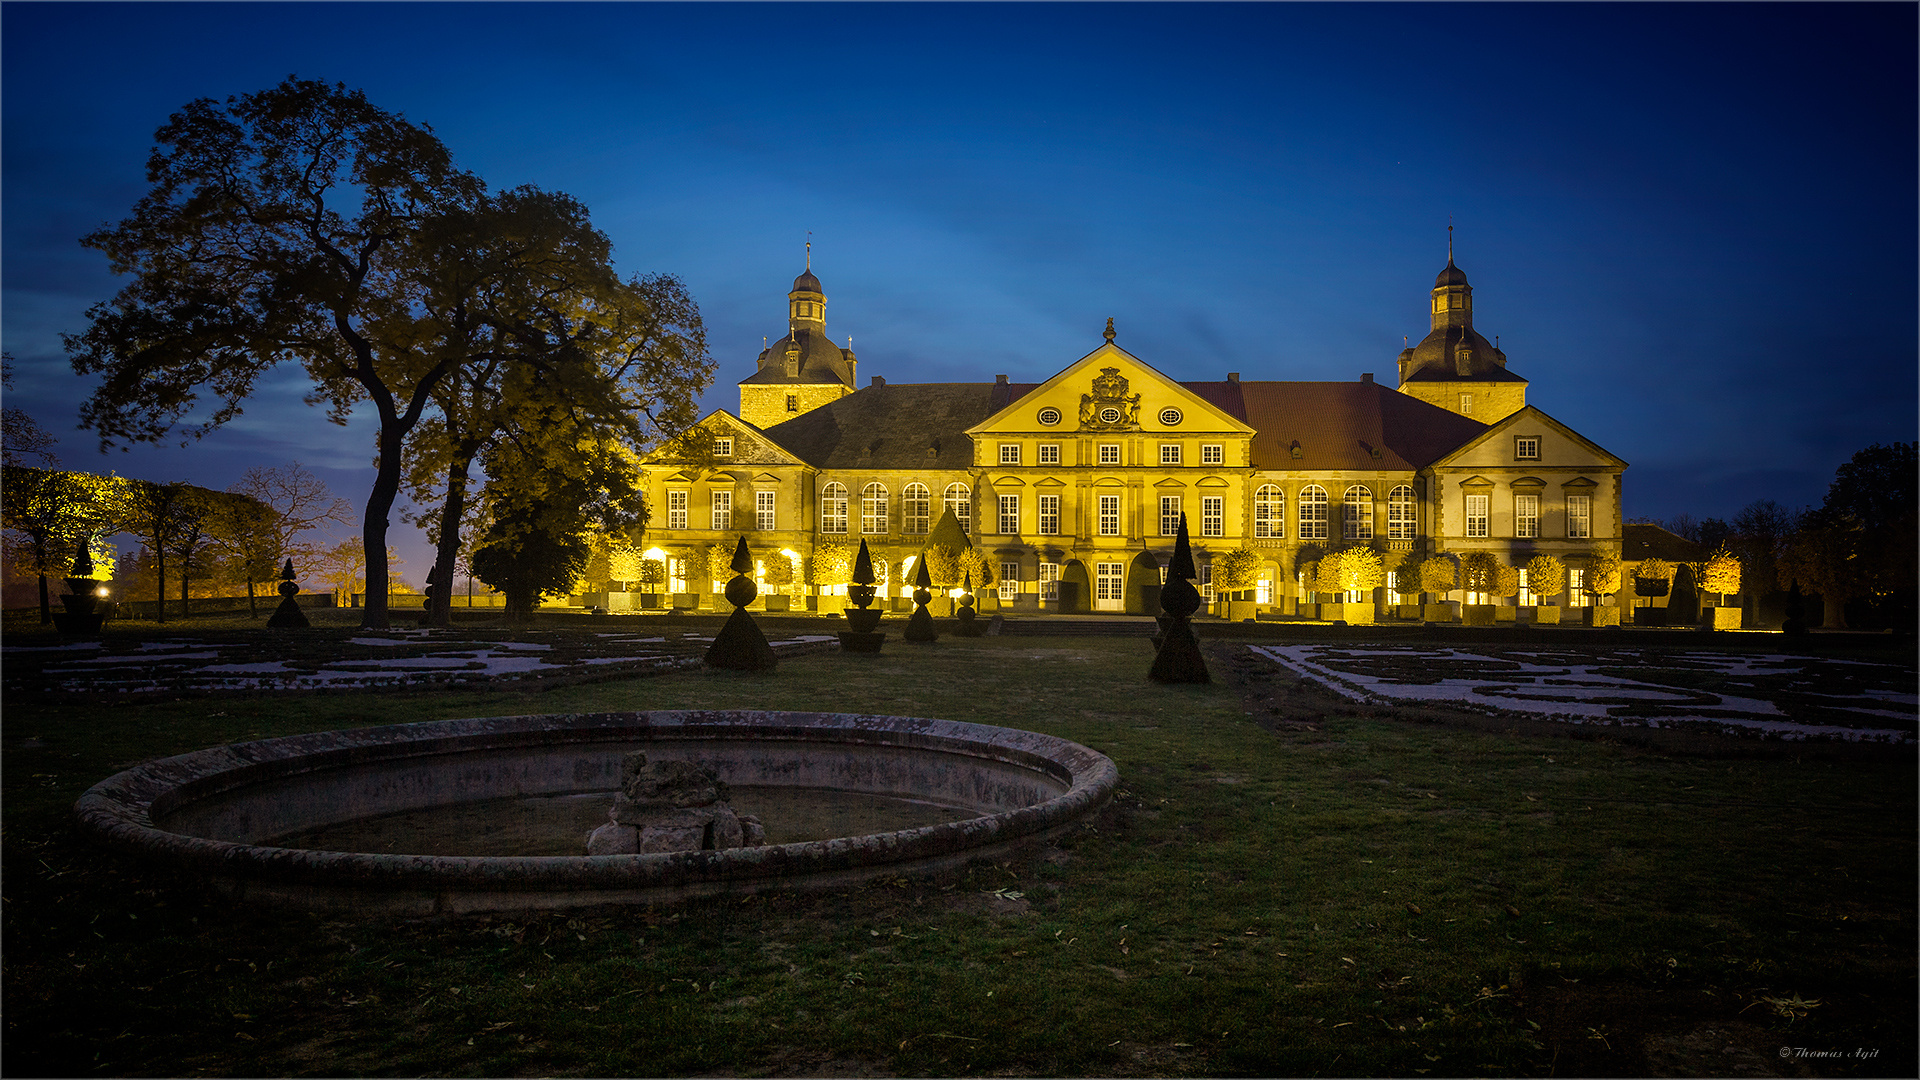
(1269,513)
(959,499)
(833,508)
(873,509)
(1356,515)
(1313,512)
(915,509)
(1400,518)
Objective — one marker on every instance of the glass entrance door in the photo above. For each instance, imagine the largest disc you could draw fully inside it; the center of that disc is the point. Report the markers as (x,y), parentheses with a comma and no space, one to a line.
(1109,590)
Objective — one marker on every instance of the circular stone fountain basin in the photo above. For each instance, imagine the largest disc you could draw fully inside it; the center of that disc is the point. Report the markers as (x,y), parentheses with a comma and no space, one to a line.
(220,811)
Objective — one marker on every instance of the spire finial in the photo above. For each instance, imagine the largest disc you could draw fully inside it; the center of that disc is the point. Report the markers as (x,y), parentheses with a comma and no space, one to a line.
(1109,331)
(1449,239)
(810,247)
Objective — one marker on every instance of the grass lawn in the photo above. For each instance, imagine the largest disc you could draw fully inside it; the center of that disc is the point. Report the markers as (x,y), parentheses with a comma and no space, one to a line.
(1343,892)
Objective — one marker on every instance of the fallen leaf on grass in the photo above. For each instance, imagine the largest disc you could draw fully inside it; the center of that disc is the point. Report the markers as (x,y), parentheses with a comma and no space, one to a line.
(1414,909)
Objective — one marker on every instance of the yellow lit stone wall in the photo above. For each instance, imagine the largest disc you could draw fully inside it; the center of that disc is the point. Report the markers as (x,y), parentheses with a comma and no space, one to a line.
(764,405)
(1492,401)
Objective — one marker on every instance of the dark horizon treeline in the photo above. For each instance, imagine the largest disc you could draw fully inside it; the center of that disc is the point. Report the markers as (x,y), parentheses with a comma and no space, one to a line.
(1858,551)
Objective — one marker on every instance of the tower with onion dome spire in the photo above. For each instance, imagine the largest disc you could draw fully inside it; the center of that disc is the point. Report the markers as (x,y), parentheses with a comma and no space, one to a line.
(803,370)
(1453,366)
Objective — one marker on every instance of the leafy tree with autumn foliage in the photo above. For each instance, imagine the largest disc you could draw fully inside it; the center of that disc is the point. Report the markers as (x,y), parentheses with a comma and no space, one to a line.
(1720,574)
(1478,572)
(1603,574)
(832,563)
(46,513)
(1354,569)
(1546,575)
(1235,570)
(1439,575)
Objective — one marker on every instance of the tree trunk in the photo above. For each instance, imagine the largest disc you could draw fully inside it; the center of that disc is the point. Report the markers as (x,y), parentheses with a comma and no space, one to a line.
(1834,615)
(373,531)
(252,612)
(46,603)
(186,611)
(159,585)
(448,548)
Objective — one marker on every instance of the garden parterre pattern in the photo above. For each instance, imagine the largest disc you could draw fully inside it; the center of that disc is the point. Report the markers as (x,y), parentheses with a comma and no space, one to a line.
(1788,697)
(368,659)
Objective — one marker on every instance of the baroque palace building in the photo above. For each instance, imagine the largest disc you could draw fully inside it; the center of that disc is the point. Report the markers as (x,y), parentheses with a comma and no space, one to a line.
(1073,487)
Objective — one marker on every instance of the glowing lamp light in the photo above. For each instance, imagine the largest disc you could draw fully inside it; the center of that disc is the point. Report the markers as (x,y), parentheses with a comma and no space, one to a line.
(101,591)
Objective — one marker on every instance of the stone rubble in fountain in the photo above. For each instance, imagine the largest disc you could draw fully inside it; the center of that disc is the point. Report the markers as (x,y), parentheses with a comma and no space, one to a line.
(671,806)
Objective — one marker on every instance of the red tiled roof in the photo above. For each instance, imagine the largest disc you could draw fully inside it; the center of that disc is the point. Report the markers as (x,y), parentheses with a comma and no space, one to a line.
(1339,424)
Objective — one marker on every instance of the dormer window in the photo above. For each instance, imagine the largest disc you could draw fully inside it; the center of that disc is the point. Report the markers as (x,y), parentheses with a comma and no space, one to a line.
(1526,448)
(723,446)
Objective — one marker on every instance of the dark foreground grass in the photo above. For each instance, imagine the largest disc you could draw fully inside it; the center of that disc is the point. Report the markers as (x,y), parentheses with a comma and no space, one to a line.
(1357,895)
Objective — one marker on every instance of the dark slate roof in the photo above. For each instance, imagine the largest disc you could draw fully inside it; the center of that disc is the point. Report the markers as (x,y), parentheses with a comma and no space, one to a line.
(891,427)
(806,282)
(1338,424)
(1641,541)
(821,361)
(1433,358)
(1452,275)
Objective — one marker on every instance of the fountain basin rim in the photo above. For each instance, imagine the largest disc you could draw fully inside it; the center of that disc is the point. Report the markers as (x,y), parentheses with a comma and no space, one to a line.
(122,809)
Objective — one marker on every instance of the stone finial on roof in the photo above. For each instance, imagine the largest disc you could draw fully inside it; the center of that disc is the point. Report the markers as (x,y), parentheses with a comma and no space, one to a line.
(1109,331)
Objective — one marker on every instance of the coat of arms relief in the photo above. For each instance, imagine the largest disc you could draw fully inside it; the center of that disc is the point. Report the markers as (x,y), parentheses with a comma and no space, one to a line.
(1109,408)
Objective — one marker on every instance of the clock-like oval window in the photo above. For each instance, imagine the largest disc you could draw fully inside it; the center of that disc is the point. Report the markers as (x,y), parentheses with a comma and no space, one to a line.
(1049,416)
(1170,416)
(1109,415)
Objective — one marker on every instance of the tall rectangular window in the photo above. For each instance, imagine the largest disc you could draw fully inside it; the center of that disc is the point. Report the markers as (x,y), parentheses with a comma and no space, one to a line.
(1009,453)
(1393,588)
(1009,514)
(1170,453)
(1313,512)
(1476,515)
(1109,515)
(1213,454)
(793,402)
(873,509)
(723,510)
(676,574)
(1109,453)
(1466,404)
(1049,453)
(1110,581)
(1579,516)
(1206,582)
(1009,581)
(677,511)
(1049,581)
(1213,515)
(915,509)
(1049,515)
(1269,513)
(763,510)
(1526,516)
(1400,513)
(1526,598)
(1169,515)
(1577,586)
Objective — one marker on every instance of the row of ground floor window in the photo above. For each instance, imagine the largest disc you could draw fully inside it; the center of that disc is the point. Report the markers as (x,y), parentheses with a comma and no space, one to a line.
(1123,582)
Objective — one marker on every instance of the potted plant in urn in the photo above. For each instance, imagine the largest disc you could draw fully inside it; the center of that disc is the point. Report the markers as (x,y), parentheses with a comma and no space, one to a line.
(1652,578)
(1602,581)
(1478,573)
(832,567)
(1720,575)
(1347,572)
(1439,576)
(1546,577)
(1235,573)
(651,576)
(779,575)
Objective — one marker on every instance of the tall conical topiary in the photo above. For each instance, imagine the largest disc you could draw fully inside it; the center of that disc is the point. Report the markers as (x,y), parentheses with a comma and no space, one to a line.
(1179,659)
(920,623)
(863,621)
(288,614)
(740,645)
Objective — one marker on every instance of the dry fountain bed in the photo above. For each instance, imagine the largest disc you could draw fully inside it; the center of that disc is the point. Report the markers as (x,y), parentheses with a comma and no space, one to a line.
(1291,882)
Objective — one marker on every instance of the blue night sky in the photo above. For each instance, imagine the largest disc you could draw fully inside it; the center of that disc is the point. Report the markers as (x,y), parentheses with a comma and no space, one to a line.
(1693,226)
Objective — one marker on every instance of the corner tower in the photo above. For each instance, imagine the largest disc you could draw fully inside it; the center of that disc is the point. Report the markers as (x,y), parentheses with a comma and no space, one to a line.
(1453,366)
(803,370)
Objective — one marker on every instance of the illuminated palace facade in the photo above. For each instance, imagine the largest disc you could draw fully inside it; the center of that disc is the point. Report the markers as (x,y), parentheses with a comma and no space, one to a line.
(1073,487)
